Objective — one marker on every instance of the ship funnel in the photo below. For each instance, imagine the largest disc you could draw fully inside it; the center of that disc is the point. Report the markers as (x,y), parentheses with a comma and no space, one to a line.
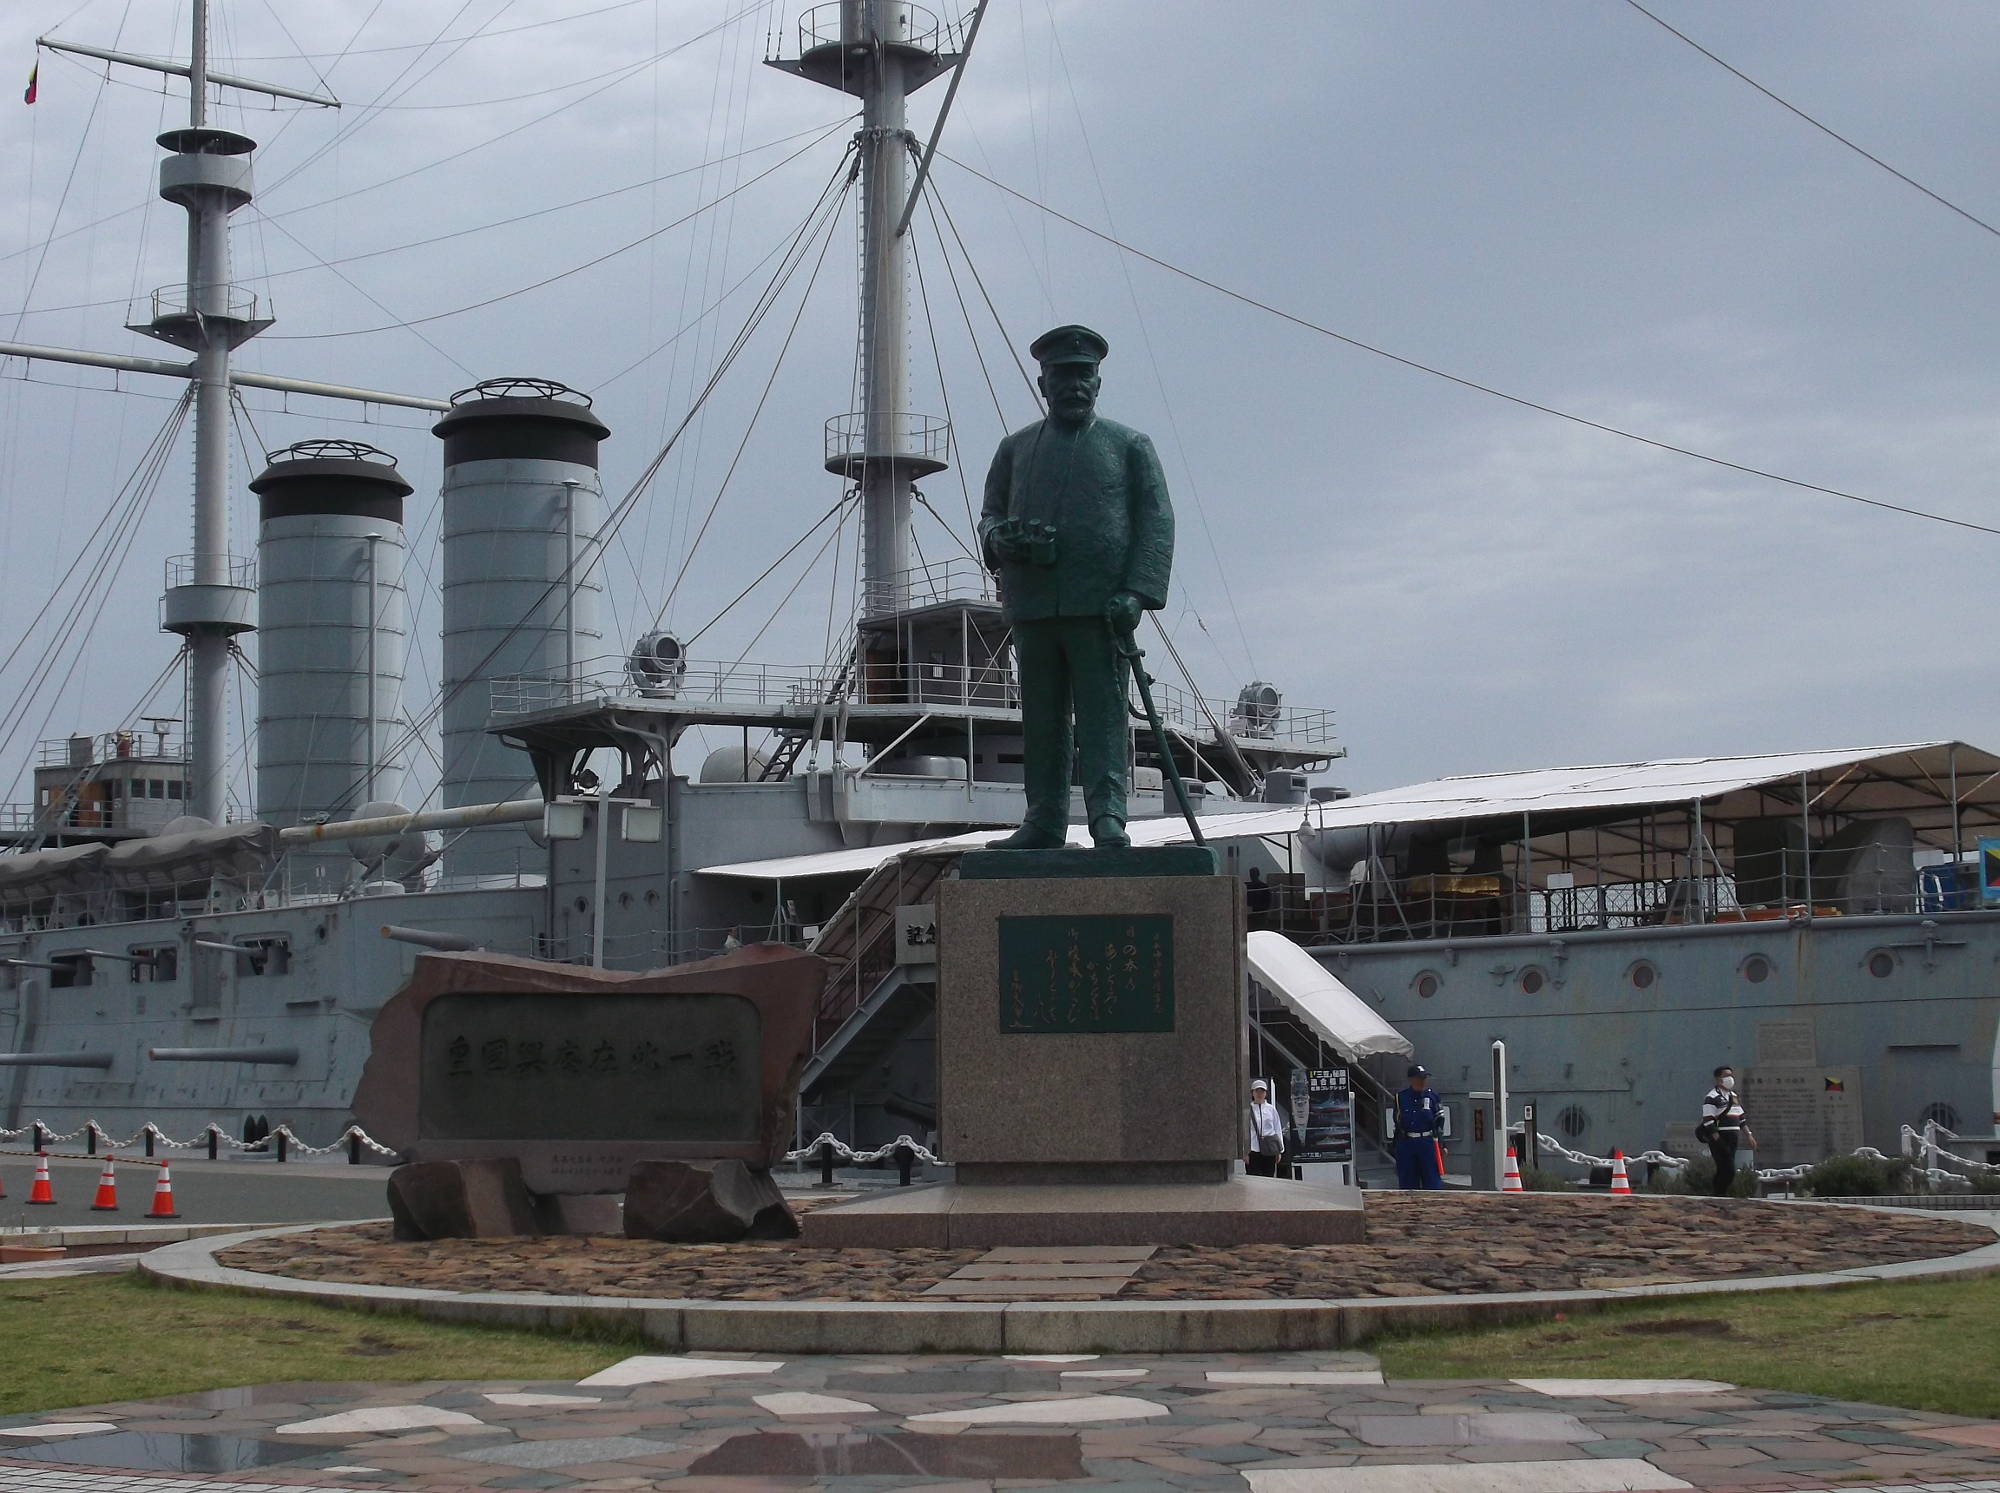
(522,505)
(332,620)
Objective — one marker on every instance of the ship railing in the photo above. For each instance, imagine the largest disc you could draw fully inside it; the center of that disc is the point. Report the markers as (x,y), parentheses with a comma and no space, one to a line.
(110,746)
(719,685)
(171,303)
(1281,725)
(912,24)
(186,570)
(957,579)
(891,435)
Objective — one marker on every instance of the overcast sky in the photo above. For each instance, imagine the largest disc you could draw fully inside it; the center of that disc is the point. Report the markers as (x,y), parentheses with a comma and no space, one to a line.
(1559,200)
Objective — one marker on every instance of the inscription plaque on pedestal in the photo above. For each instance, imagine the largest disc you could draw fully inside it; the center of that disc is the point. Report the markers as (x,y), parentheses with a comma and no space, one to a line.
(1087,974)
(589,1067)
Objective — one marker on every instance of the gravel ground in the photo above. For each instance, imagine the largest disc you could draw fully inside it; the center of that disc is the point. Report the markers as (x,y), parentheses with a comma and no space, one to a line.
(1418,1245)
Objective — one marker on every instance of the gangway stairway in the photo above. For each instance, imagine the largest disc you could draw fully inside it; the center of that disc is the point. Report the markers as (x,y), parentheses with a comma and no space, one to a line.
(871,1001)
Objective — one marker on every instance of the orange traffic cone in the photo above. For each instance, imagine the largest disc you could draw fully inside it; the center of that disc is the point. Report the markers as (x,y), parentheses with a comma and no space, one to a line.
(1621,1185)
(106,1200)
(163,1196)
(1512,1181)
(42,1191)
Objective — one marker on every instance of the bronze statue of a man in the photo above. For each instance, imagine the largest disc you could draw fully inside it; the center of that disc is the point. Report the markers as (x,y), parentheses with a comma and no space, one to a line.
(1078,527)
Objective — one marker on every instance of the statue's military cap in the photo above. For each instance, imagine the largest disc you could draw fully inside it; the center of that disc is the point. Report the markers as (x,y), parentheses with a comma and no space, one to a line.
(1070,344)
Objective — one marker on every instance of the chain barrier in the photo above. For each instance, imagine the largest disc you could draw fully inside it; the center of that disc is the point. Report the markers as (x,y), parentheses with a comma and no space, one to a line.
(1766,1174)
(212,1135)
(848,1156)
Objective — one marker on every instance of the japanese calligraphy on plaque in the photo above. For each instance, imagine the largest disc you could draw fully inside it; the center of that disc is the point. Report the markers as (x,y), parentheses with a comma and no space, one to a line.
(524,1066)
(1087,974)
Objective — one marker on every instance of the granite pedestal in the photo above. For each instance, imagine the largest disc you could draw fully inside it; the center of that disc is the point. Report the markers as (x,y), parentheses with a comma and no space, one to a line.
(1091,1058)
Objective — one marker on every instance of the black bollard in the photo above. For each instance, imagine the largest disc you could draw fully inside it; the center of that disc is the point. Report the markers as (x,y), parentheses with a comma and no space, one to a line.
(826,1165)
(90,1137)
(905,1159)
(214,1142)
(148,1133)
(281,1146)
(354,1148)
(41,1140)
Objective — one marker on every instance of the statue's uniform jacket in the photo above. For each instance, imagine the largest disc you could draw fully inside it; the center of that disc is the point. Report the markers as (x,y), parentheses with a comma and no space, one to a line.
(1100,487)
(1103,490)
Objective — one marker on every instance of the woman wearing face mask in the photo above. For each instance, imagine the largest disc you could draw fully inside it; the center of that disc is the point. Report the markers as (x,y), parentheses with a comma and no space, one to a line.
(1722,1127)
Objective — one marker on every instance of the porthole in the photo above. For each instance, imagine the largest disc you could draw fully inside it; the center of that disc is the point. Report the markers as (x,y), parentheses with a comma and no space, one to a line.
(1426,985)
(1573,1120)
(583,904)
(1756,969)
(652,896)
(624,899)
(1642,975)
(1942,1115)
(1532,981)
(1881,964)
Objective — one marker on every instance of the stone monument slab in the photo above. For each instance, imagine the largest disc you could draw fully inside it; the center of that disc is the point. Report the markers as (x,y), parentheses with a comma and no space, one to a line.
(580,1073)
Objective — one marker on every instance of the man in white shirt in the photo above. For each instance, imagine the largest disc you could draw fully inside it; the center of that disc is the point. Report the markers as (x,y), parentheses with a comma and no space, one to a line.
(1267,1133)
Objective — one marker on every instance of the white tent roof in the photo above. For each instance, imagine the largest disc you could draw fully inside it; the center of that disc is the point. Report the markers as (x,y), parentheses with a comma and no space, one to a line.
(1343,1019)
(1912,778)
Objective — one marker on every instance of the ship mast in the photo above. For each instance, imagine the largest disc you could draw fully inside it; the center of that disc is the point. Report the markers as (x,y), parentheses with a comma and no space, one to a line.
(210,594)
(882,51)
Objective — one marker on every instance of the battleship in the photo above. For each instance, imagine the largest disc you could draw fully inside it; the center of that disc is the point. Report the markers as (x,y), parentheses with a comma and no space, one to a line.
(1815,918)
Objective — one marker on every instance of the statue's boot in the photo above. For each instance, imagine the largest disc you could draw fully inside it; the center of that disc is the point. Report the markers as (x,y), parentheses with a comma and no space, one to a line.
(1109,834)
(1030,837)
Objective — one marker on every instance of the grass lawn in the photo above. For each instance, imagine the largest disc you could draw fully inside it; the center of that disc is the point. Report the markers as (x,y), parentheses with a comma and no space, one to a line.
(96,1339)
(1925,1345)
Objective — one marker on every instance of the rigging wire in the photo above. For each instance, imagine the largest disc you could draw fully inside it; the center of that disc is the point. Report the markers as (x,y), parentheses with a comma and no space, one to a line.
(418,46)
(88,607)
(944,393)
(561,274)
(762,575)
(593,554)
(366,114)
(965,312)
(831,217)
(1153,360)
(513,130)
(367,295)
(1825,129)
(821,130)
(785,600)
(62,199)
(964,253)
(1463,382)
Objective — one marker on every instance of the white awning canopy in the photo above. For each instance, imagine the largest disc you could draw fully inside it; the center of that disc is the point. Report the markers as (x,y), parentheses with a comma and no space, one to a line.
(1343,1020)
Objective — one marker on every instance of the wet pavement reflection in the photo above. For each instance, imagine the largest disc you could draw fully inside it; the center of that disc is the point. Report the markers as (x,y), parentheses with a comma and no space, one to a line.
(892,1454)
(162,1451)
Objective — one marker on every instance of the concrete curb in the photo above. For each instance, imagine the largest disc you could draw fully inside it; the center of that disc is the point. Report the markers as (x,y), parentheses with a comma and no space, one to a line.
(1262,1325)
(97,1239)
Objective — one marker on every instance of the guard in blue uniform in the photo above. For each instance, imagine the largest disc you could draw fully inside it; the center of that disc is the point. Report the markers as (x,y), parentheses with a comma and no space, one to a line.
(1419,1123)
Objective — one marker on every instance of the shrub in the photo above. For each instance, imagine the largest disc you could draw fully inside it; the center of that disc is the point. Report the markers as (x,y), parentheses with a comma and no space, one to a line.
(1534,1179)
(1986,1182)
(1857,1177)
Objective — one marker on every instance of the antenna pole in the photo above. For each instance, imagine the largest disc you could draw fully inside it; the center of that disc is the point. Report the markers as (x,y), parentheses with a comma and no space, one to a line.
(198,67)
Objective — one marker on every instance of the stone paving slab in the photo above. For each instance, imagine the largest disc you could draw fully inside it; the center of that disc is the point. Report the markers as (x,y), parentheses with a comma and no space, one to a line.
(1244,1422)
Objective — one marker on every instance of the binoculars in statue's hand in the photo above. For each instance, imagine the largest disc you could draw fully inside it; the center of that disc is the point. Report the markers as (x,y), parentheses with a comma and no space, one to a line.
(1026,541)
